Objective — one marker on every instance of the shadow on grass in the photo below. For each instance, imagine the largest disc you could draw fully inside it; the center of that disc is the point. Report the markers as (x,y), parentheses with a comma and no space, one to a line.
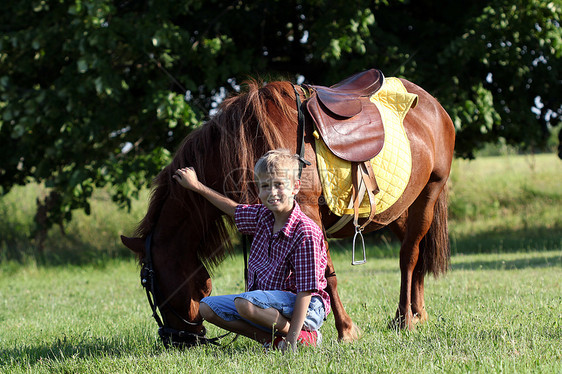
(62,349)
(383,244)
(508,241)
(60,251)
(73,250)
(546,261)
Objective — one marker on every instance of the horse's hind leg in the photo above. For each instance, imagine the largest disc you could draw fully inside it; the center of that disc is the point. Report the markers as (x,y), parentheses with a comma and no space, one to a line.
(411,228)
(419,313)
(347,330)
(418,303)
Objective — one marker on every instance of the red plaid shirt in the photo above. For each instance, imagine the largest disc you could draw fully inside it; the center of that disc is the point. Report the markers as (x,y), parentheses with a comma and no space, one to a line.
(293,259)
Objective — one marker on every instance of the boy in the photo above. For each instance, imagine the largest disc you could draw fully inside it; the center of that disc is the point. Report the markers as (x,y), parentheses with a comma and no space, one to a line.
(287,260)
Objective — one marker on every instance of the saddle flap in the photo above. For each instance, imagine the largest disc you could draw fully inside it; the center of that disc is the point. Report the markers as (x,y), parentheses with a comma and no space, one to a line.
(357,138)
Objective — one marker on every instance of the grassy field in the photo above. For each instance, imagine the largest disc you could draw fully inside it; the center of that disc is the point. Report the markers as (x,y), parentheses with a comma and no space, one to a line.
(510,203)
(499,309)
(492,313)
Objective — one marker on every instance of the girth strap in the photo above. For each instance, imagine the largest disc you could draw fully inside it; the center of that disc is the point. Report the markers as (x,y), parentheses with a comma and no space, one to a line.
(300,133)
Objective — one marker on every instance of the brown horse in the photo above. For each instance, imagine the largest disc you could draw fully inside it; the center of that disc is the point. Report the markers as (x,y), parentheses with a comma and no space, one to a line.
(190,236)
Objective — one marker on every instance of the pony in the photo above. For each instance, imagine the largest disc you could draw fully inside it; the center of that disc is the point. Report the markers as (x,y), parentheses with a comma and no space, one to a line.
(188,237)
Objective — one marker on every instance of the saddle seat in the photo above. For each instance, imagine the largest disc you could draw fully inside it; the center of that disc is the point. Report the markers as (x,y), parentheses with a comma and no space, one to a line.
(348,122)
(343,98)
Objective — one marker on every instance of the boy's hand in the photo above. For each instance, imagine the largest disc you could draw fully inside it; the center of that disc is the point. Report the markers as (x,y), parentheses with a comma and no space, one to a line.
(187,178)
(285,346)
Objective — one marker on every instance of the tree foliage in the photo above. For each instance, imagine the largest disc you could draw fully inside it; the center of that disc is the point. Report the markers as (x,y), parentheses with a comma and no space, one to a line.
(100,92)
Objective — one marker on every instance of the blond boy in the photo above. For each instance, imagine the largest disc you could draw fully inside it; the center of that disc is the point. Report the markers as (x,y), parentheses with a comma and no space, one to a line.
(286,298)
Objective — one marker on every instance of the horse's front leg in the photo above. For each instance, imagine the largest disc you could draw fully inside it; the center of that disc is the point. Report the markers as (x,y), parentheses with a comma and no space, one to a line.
(347,330)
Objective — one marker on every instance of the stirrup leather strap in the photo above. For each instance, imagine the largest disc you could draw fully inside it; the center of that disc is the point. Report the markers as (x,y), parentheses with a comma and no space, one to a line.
(363,172)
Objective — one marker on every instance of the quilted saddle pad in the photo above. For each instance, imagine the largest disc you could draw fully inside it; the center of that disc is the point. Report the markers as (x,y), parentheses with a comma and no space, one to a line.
(392,166)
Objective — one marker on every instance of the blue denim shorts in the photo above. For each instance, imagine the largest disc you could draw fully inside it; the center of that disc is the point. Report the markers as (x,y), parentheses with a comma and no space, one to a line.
(282,301)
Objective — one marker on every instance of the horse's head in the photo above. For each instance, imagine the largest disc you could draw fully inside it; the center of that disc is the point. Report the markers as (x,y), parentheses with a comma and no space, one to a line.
(180,236)
(174,277)
(186,233)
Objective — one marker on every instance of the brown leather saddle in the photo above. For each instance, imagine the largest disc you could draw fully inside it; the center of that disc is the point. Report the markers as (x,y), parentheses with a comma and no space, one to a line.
(347,121)
(351,127)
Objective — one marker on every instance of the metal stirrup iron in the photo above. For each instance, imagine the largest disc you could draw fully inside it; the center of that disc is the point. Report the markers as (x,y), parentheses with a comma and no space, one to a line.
(358,231)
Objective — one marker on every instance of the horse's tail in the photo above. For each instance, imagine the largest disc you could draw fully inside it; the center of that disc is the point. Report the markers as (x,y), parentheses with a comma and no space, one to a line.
(435,247)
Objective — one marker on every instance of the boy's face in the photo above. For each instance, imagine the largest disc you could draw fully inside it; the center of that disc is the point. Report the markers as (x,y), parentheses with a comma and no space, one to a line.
(277,192)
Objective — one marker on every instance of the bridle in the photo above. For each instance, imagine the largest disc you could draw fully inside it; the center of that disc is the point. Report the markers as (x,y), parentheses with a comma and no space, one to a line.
(170,336)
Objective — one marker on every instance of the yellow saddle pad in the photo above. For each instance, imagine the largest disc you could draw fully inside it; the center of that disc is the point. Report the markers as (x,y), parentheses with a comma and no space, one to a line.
(392,166)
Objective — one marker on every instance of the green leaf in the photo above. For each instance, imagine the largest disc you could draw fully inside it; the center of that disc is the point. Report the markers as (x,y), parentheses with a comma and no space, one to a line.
(82,65)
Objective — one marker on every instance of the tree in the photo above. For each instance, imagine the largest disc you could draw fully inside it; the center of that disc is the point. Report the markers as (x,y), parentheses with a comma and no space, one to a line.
(99,92)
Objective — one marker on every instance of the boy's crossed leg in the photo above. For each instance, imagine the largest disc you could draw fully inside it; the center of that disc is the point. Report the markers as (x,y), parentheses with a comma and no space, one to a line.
(268,319)
(261,315)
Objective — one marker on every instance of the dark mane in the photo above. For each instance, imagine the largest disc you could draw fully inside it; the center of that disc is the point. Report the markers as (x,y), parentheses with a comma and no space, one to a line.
(230,139)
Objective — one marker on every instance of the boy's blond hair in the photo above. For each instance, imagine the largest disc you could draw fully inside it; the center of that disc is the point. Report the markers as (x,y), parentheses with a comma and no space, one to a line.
(279,162)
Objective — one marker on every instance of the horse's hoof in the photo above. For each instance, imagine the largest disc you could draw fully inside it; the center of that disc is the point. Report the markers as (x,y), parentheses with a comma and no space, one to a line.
(395,324)
(352,335)
(401,323)
(420,318)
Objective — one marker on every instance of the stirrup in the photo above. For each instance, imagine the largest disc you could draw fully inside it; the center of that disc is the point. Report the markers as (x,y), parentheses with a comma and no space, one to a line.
(358,231)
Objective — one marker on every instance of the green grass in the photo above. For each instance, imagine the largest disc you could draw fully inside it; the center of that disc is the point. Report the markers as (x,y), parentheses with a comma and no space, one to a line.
(491,313)
(80,307)
(506,204)
(87,238)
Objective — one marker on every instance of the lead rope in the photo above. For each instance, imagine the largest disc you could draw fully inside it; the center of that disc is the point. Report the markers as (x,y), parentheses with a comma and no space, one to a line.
(147,280)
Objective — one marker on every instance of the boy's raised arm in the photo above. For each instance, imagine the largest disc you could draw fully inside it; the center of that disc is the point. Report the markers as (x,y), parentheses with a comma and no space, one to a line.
(187,178)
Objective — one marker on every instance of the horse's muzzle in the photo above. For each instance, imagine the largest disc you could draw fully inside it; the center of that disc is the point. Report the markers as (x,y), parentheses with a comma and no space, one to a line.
(172,338)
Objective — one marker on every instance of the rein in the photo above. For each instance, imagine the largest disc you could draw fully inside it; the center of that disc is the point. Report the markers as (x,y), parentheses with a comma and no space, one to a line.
(170,337)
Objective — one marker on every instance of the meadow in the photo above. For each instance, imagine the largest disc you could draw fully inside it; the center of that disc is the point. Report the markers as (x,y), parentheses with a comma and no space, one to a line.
(80,307)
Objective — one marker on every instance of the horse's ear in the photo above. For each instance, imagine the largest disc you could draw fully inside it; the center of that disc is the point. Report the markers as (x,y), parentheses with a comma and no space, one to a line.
(134,244)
